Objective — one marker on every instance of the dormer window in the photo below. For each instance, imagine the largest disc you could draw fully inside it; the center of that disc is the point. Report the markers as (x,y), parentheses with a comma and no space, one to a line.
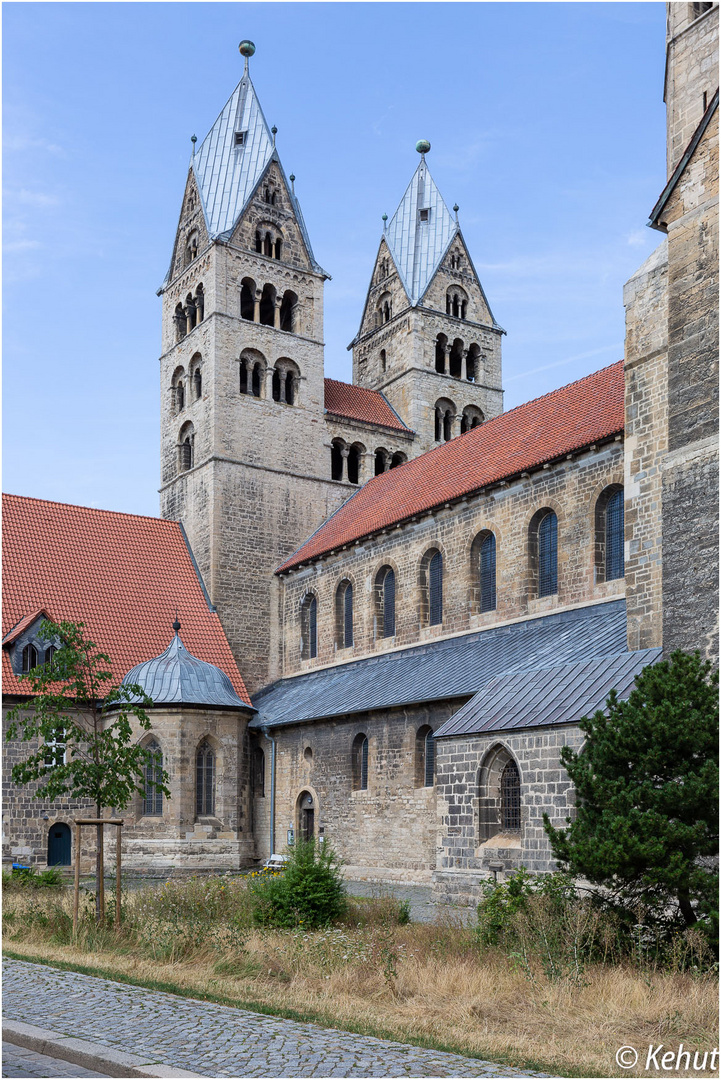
(240,137)
(424,214)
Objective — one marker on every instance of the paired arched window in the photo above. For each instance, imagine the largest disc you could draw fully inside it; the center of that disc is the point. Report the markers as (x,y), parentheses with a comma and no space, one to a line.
(547,557)
(177,390)
(268,241)
(385,596)
(286,380)
(359,762)
(472,418)
(196,376)
(186,448)
(152,798)
(425,757)
(456,302)
(510,798)
(309,628)
(384,309)
(205,781)
(609,556)
(444,415)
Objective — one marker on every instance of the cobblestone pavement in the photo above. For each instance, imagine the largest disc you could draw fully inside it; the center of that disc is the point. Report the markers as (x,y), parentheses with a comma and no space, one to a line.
(17,1061)
(213,1040)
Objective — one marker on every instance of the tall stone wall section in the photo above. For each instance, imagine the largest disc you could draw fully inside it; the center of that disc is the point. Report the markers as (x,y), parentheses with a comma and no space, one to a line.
(691,72)
(645,297)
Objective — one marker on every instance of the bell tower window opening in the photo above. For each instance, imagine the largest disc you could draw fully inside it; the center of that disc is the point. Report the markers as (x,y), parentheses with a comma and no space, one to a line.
(239,138)
(267,306)
(455,360)
(336,460)
(180,322)
(287,311)
(441,349)
(473,363)
(383,360)
(186,455)
(255,381)
(354,460)
(258,242)
(247,299)
(399,458)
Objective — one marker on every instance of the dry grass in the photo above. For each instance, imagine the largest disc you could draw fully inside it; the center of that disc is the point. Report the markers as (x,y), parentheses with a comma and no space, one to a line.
(415,983)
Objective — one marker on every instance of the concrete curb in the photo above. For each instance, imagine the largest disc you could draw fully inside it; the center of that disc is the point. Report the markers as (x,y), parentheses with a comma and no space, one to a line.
(90,1055)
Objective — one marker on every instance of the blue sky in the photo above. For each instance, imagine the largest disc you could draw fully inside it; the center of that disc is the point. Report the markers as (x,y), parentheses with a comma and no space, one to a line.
(547,127)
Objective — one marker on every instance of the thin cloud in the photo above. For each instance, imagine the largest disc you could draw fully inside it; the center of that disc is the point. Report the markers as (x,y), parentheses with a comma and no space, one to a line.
(569,360)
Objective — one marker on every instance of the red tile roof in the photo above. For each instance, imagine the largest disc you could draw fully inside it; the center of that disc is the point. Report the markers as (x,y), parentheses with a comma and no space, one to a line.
(549,427)
(357,403)
(122,575)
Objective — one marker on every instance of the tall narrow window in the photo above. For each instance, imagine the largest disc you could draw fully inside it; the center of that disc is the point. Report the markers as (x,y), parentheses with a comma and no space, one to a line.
(359,762)
(364,765)
(309,628)
(488,573)
(348,616)
(548,555)
(430,760)
(435,590)
(198,383)
(510,798)
(205,781)
(336,461)
(243,377)
(258,772)
(30,658)
(614,537)
(389,604)
(256,379)
(153,799)
(354,465)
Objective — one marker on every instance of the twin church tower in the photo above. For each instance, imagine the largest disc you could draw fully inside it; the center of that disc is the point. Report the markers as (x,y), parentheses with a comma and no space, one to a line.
(257,447)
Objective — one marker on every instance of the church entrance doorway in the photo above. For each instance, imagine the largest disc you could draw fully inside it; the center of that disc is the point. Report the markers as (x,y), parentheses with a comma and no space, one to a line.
(306,816)
(59,845)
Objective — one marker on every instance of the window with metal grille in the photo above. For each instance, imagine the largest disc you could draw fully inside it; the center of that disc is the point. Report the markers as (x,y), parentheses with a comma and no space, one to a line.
(389,604)
(153,799)
(614,536)
(205,781)
(488,573)
(313,628)
(435,590)
(430,760)
(510,798)
(348,616)
(548,555)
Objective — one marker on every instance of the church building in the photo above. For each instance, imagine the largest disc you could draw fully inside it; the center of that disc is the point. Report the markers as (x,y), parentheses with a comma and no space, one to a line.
(396,599)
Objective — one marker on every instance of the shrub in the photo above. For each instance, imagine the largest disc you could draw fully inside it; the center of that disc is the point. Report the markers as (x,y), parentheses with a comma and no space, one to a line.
(29,878)
(309,893)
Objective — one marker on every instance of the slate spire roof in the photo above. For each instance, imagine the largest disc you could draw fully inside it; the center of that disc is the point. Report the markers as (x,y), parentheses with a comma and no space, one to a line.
(232,160)
(418,241)
(176,677)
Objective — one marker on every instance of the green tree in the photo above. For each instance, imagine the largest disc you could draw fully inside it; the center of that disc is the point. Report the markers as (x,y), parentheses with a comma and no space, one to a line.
(647,788)
(310,891)
(82,721)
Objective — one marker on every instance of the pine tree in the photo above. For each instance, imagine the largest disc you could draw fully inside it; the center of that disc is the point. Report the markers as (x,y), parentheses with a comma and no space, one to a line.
(647,779)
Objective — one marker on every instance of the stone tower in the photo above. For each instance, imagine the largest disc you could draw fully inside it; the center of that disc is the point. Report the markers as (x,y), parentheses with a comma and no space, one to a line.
(428,339)
(243,453)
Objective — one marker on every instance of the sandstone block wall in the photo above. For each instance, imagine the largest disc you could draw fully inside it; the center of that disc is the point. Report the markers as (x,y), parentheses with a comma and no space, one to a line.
(571,489)
(691,71)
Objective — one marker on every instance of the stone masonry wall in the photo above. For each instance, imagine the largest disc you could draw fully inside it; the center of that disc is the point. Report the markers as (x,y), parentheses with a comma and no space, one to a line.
(691,71)
(571,488)
(466,780)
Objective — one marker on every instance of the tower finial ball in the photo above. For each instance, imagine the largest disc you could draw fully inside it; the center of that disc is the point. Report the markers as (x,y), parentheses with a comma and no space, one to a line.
(246,48)
(423,146)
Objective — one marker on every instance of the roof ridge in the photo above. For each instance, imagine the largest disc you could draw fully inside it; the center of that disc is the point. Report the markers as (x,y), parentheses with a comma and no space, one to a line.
(91,509)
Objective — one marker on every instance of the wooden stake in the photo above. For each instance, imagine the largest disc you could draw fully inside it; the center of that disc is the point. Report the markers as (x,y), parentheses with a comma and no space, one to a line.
(117,877)
(101,874)
(76,897)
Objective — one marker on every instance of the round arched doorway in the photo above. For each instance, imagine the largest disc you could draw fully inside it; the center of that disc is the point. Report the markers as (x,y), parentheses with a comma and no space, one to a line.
(59,843)
(306,815)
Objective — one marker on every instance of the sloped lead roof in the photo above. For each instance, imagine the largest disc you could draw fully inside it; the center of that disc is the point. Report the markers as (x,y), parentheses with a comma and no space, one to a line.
(177,677)
(418,246)
(227,174)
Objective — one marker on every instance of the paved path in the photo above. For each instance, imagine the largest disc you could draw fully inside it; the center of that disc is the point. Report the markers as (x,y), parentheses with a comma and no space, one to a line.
(20,1062)
(213,1040)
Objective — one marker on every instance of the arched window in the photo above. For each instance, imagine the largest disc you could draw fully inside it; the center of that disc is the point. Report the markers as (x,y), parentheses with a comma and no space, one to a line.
(614,536)
(309,628)
(49,654)
(256,380)
(186,455)
(510,798)
(191,248)
(258,778)
(484,559)
(180,397)
(259,241)
(432,588)
(425,757)
(196,377)
(286,380)
(472,417)
(398,459)
(267,306)
(190,312)
(473,363)
(354,460)
(344,615)
(268,246)
(287,310)
(336,459)
(276,385)
(384,309)
(456,301)
(441,349)
(445,412)
(385,590)
(548,555)
(205,781)
(359,762)
(152,798)
(383,360)
(247,299)
(381,461)
(177,390)
(289,388)
(455,360)
(243,367)
(181,323)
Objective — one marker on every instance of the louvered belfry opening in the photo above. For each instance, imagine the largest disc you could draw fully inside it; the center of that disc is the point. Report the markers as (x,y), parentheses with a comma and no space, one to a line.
(435,590)
(510,798)
(548,555)
(205,781)
(488,573)
(389,604)
(153,799)
(614,537)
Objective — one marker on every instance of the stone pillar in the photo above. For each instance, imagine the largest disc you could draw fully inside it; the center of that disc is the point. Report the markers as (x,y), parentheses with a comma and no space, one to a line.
(446,358)
(268,383)
(276,313)
(344,454)
(189,316)
(256,305)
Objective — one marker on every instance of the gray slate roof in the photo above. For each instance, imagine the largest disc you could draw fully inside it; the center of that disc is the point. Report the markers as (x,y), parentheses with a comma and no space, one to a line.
(418,246)
(561,694)
(176,677)
(448,668)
